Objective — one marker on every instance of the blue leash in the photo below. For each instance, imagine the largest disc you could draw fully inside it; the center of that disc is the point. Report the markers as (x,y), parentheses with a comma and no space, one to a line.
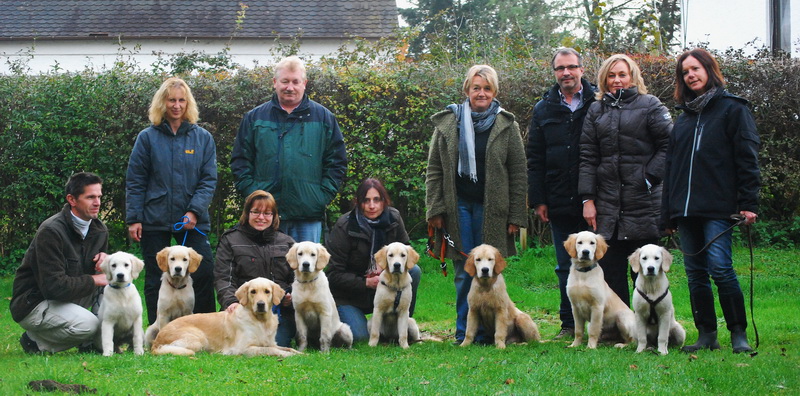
(179,226)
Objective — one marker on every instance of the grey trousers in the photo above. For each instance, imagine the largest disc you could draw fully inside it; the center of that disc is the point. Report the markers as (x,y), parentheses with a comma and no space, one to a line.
(57,326)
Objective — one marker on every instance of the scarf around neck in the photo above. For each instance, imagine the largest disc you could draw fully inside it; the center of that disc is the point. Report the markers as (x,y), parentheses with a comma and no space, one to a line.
(259,237)
(470,123)
(697,104)
(375,231)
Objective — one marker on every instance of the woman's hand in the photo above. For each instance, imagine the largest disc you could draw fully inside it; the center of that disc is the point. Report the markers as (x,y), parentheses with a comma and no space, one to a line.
(287,300)
(372,282)
(749,217)
(590,214)
(513,229)
(436,221)
(232,307)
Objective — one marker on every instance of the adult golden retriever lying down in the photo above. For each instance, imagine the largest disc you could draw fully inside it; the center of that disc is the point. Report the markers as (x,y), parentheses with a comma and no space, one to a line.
(592,299)
(248,330)
(489,304)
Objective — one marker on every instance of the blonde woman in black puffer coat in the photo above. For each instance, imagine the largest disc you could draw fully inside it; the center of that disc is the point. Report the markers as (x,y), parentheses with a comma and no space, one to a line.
(623,154)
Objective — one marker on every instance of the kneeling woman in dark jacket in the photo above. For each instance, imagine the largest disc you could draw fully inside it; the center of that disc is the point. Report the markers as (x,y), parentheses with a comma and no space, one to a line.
(256,248)
(352,243)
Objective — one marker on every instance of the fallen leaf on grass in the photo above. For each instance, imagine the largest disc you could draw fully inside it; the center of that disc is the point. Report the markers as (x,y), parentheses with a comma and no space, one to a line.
(742,365)
(425,383)
(692,357)
(509,381)
(633,367)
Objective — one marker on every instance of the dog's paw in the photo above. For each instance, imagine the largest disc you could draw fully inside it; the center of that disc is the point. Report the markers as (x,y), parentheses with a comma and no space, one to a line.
(574,344)
(620,345)
(138,351)
(640,348)
(663,351)
(373,341)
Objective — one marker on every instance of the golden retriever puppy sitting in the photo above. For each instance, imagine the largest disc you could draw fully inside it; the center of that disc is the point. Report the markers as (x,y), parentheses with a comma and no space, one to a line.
(120,311)
(176,295)
(248,330)
(652,301)
(390,320)
(314,308)
(592,299)
(489,304)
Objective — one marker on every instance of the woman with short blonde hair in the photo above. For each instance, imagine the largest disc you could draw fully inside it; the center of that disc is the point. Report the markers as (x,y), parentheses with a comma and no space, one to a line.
(158,107)
(635,75)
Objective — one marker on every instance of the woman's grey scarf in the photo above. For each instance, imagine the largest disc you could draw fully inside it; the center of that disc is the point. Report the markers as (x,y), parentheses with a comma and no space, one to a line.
(470,123)
(697,104)
(375,231)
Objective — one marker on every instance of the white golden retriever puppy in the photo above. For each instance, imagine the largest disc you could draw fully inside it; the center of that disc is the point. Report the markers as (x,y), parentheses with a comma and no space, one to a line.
(592,299)
(120,311)
(390,319)
(248,330)
(176,295)
(315,311)
(652,301)
(489,304)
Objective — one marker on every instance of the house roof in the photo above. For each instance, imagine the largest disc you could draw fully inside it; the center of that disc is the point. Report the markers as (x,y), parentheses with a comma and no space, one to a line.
(195,18)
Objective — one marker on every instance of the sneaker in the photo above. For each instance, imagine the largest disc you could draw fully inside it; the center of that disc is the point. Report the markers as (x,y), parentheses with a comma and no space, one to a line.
(28,345)
(566,332)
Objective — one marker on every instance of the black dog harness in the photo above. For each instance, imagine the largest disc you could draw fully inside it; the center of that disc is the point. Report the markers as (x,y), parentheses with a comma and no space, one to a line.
(587,269)
(653,316)
(397,295)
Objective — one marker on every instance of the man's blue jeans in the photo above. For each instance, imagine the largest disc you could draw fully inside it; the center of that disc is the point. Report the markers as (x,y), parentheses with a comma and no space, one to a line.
(302,230)
(561,228)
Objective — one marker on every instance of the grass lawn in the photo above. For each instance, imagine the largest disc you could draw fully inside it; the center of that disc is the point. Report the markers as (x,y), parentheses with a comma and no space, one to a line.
(441,368)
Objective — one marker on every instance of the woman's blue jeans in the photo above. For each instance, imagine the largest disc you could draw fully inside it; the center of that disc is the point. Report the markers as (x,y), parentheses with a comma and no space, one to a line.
(470,223)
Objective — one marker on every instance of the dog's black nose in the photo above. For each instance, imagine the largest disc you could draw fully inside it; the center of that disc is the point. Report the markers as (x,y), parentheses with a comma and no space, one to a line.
(485,271)
(261,306)
(178,270)
(397,267)
(585,253)
(651,270)
(121,276)
(306,265)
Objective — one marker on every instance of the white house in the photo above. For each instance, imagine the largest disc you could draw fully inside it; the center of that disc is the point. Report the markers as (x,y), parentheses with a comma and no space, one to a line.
(71,35)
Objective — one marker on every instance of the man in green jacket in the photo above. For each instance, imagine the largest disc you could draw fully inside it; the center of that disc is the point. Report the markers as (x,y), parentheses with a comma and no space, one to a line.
(292,148)
(58,281)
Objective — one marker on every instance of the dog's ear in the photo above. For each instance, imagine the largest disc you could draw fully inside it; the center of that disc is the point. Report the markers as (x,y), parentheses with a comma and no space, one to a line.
(138,266)
(469,266)
(277,294)
(633,260)
(413,257)
(499,262)
(602,247)
(291,257)
(380,257)
(323,257)
(569,245)
(194,260)
(666,259)
(243,293)
(104,267)
(162,258)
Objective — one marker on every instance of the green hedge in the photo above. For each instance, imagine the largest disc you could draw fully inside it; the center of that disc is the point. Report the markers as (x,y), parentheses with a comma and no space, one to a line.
(56,124)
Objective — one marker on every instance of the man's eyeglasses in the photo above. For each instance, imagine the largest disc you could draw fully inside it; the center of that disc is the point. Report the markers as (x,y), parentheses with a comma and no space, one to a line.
(259,214)
(570,67)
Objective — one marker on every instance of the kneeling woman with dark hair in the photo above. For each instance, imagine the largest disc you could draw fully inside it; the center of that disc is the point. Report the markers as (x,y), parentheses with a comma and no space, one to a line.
(352,243)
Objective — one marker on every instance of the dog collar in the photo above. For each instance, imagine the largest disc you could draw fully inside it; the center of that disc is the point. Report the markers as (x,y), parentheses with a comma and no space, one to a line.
(308,281)
(587,269)
(177,287)
(397,294)
(119,287)
(653,316)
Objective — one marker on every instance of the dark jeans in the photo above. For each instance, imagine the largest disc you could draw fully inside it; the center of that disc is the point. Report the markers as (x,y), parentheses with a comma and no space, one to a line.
(203,278)
(715,262)
(561,227)
(615,265)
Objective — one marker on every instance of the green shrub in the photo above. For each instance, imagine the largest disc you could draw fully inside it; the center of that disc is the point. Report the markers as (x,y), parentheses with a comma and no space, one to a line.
(55,124)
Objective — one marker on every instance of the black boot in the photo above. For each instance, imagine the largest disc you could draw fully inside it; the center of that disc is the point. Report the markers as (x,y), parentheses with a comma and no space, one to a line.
(705,319)
(736,318)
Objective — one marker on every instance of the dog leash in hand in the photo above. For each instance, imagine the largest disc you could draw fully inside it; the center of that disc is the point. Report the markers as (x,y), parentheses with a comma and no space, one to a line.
(446,241)
(179,226)
(739,220)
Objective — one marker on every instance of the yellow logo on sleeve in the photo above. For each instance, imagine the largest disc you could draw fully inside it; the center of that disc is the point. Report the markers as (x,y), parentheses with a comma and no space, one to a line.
(189,151)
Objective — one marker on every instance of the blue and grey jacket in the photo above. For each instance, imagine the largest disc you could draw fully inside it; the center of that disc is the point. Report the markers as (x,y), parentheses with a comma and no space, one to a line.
(298,157)
(169,175)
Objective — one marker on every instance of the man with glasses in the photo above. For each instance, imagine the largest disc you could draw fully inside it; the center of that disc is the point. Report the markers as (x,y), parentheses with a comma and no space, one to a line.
(553,152)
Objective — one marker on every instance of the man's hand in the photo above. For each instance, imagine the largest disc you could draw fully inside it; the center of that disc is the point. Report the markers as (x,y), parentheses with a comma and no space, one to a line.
(100,279)
(541,211)
(436,221)
(513,229)
(372,282)
(192,221)
(749,217)
(135,231)
(98,259)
